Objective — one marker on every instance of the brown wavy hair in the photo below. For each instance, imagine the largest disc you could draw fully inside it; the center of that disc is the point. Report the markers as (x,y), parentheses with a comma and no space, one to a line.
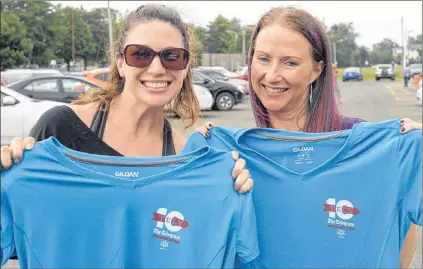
(185,103)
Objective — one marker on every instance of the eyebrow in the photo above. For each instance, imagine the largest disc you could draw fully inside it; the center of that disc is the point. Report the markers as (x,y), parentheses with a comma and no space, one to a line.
(284,57)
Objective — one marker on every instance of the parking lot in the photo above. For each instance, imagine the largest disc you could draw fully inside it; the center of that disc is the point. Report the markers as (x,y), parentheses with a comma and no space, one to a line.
(372,101)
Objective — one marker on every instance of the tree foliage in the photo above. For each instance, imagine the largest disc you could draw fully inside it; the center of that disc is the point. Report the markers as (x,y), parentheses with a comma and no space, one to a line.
(37,32)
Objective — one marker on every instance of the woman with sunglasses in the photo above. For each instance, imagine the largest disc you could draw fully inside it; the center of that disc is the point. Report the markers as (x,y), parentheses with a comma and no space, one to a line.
(150,68)
(292,84)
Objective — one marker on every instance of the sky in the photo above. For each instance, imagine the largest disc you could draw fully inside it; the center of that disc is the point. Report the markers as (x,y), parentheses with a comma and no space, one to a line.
(373,20)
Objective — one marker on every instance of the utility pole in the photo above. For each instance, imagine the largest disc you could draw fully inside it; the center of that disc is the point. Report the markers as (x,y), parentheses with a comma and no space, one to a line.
(73,38)
(110,25)
(243,47)
(402,41)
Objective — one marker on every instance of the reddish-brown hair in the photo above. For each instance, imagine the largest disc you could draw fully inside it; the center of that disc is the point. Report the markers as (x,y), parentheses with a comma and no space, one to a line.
(322,113)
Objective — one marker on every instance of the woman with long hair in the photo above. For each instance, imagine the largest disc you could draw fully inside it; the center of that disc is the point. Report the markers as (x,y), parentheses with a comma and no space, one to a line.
(292,83)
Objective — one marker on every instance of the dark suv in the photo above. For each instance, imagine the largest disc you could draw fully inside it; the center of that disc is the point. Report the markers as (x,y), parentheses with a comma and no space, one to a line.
(224,94)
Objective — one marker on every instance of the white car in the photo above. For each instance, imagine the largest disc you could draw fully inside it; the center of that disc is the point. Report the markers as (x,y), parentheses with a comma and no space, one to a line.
(384,71)
(204,97)
(19,114)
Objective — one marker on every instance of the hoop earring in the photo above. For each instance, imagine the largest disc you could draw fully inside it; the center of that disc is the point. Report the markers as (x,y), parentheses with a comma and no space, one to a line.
(311,94)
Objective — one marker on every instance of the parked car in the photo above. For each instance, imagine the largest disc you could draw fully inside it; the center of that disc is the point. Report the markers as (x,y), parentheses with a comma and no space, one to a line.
(19,114)
(243,73)
(352,73)
(13,75)
(98,76)
(384,71)
(415,69)
(240,84)
(55,88)
(225,95)
(75,74)
(221,70)
(205,98)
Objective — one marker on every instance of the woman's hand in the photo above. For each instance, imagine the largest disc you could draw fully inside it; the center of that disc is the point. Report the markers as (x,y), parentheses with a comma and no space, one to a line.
(14,152)
(243,181)
(408,125)
(204,130)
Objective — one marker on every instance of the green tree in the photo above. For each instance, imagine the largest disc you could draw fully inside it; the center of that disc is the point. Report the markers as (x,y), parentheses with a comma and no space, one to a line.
(200,34)
(248,33)
(40,21)
(360,56)
(374,57)
(14,45)
(221,37)
(416,40)
(344,35)
(385,50)
(98,22)
(84,42)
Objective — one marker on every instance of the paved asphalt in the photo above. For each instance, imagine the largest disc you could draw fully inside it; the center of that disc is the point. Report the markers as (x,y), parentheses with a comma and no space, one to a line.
(372,101)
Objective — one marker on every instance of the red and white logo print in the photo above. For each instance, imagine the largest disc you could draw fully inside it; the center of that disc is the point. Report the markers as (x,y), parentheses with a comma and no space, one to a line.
(340,215)
(167,225)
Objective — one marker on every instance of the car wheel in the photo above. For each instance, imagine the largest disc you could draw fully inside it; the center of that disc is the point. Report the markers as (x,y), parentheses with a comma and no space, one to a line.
(225,101)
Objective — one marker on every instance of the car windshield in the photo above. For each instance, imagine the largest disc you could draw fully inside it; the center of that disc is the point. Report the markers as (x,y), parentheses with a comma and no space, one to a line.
(384,68)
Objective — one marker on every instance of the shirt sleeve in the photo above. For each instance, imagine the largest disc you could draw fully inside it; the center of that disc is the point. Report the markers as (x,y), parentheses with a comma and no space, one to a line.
(7,239)
(247,240)
(410,172)
(47,125)
(195,141)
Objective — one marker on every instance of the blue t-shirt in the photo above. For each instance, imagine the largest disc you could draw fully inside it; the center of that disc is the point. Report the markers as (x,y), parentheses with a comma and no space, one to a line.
(65,209)
(330,200)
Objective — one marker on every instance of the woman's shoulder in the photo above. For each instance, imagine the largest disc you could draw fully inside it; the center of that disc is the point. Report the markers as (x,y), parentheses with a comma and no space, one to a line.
(56,115)
(65,115)
(348,122)
(65,122)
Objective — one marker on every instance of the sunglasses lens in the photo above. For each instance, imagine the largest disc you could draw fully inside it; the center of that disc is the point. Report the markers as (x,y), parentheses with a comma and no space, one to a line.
(174,59)
(138,56)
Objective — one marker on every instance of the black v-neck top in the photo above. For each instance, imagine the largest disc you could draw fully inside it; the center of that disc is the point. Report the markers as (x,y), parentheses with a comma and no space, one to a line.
(62,123)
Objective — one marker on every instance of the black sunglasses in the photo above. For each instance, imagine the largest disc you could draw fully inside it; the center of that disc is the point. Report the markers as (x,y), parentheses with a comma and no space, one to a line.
(141,56)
